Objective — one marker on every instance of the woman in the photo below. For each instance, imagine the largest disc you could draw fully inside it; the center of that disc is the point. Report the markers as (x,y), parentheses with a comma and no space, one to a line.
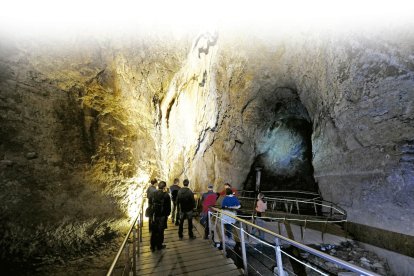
(261,207)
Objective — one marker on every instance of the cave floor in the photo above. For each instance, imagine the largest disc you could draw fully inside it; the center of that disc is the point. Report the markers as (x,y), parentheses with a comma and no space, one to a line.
(185,257)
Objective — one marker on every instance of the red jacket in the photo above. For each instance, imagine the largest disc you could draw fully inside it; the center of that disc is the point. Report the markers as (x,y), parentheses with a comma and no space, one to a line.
(209,201)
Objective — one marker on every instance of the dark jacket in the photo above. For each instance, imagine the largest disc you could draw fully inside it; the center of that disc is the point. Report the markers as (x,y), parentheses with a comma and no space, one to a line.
(161,203)
(150,191)
(174,192)
(185,199)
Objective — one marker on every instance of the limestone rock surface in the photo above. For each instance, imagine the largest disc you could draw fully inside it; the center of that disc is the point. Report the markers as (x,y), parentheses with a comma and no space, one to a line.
(85,124)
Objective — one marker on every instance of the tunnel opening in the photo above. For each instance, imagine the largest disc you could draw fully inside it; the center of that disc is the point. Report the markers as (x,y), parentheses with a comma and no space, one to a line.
(284,150)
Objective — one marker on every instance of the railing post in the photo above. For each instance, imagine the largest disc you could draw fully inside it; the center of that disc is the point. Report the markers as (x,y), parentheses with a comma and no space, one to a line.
(331,210)
(139,236)
(134,252)
(222,233)
(209,224)
(243,247)
(127,265)
(279,258)
(297,206)
(141,222)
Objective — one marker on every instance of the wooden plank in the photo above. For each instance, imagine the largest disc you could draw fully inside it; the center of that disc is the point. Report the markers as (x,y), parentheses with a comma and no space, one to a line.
(179,262)
(229,273)
(186,269)
(183,257)
(220,270)
(165,253)
(169,241)
(178,243)
(187,255)
(175,247)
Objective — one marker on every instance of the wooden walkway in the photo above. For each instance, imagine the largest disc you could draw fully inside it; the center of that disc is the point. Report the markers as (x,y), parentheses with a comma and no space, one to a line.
(185,257)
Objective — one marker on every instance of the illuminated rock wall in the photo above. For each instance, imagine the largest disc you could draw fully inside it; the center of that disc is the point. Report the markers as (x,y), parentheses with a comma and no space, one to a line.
(357,92)
(77,139)
(86,123)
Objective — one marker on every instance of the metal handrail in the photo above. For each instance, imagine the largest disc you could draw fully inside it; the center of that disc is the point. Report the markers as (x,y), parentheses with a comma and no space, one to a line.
(139,219)
(242,192)
(334,210)
(303,247)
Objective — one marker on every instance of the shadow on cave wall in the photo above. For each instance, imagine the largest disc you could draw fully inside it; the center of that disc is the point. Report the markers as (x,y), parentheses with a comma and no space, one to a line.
(48,207)
(284,152)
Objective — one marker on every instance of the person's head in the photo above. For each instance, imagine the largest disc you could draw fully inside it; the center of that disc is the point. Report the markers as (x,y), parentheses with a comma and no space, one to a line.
(260,196)
(176,181)
(186,182)
(153,181)
(162,185)
(210,187)
(229,191)
(227,185)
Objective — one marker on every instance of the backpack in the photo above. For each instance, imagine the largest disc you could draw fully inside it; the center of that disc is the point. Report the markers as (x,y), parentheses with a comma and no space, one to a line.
(174,194)
(158,204)
(187,201)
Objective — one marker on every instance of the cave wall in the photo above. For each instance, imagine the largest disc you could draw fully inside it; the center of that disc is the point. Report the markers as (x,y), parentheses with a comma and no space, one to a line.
(86,123)
(357,89)
(78,138)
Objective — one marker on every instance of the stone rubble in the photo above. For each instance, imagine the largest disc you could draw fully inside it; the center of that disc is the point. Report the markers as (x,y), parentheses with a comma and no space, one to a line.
(353,253)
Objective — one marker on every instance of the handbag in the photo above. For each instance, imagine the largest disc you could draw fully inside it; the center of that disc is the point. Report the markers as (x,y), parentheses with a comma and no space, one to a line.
(148,211)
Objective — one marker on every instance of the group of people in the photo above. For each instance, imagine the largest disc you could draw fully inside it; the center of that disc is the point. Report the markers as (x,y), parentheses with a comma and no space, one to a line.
(228,201)
(227,198)
(159,202)
(183,204)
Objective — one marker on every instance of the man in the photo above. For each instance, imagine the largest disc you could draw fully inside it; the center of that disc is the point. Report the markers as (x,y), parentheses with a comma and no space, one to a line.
(161,203)
(186,204)
(174,192)
(228,186)
(150,191)
(209,192)
(208,202)
(230,202)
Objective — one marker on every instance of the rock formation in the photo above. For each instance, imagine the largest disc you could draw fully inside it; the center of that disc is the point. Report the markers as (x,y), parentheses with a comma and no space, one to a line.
(86,123)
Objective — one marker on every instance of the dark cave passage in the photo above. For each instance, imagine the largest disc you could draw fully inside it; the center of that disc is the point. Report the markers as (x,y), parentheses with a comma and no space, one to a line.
(285,150)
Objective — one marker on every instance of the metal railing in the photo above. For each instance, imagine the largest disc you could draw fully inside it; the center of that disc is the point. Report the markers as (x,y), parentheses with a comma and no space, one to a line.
(300,206)
(133,236)
(241,246)
(285,194)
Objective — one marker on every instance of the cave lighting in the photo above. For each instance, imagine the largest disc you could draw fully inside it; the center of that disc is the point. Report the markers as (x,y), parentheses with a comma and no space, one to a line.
(93,15)
(135,193)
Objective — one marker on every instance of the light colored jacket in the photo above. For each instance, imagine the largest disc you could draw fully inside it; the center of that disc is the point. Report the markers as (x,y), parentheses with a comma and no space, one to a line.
(261,206)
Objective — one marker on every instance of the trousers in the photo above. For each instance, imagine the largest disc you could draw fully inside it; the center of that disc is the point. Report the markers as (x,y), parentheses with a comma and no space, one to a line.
(189,216)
